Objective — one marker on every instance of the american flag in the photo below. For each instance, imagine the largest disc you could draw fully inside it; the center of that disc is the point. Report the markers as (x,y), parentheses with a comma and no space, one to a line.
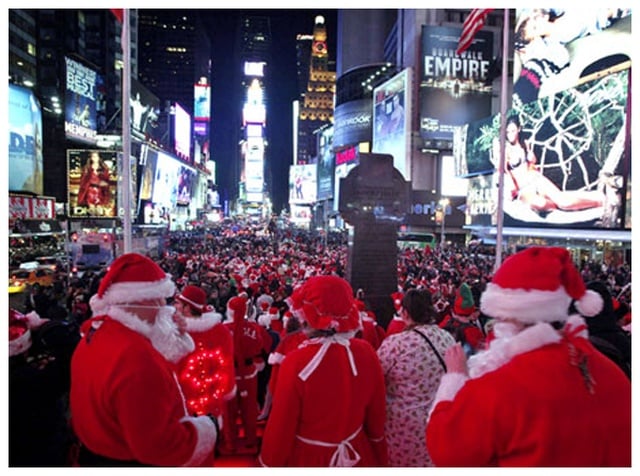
(471,26)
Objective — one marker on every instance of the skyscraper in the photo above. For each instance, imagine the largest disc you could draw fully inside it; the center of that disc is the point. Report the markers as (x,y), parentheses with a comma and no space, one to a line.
(316,108)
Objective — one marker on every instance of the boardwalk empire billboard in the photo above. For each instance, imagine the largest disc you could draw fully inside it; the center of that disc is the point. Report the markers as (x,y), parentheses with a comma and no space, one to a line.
(453,88)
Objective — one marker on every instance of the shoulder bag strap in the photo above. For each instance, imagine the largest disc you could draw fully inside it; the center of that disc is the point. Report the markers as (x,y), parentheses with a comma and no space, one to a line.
(433,347)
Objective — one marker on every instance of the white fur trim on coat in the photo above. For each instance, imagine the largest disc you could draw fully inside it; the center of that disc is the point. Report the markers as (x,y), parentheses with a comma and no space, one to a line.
(450,385)
(529,306)
(204,322)
(207,436)
(275,358)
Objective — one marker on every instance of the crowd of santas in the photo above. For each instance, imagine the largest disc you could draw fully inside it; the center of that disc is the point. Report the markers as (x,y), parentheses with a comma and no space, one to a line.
(235,295)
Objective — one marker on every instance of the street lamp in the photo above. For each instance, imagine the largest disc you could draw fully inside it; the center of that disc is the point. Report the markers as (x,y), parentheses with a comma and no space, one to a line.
(444,203)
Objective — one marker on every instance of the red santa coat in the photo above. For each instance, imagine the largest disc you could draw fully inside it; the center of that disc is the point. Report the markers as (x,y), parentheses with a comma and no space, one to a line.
(526,404)
(126,403)
(207,375)
(395,326)
(310,418)
(288,343)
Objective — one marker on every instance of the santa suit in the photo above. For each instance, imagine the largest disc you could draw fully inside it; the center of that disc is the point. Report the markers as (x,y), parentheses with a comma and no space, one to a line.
(211,359)
(288,343)
(247,357)
(369,331)
(329,416)
(396,325)
(125,400)
(527,404)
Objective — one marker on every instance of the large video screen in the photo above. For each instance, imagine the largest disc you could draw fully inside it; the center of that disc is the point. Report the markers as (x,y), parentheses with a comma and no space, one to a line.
(165,186)
(566,160)
(92,183)
(186,182)
(80,118)
(303,186)
(556,49)
(25,141)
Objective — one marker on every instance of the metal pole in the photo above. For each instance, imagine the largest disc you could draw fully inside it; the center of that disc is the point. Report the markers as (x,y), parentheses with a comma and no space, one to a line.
(126,131)
(503,121)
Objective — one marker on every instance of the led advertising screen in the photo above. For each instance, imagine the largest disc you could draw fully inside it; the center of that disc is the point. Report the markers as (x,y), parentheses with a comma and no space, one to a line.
(182,132)
(302,184)
(392,120)
(25,141)
(80,102)
(201,102)
(165,186)
(92,182)
(149,158)
(450,185)
(326,165)
(556,49)
(346,160)
(482,200)
(145,110)
(453,88)
(186,183)
(566,161)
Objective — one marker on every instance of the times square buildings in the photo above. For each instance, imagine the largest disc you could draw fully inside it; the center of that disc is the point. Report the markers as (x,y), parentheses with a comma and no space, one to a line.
(392,68)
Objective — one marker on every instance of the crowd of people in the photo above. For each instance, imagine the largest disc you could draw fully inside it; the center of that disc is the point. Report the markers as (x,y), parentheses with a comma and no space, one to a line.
(238,343)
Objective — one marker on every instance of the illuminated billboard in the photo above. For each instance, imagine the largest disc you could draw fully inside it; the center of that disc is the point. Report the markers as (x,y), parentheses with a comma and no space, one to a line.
(556,49)
(453,88)
(81,96)
(186,182)
(201,102)
(392,121)
(25,141)
(254,110)
(165,185)
(302,183)
(326,164)
(92,181)
(145,110)
(182,132)
(254,68)
(566,159)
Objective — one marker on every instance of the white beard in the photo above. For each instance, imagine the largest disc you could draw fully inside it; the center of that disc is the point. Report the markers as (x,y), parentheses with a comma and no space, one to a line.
(163,333)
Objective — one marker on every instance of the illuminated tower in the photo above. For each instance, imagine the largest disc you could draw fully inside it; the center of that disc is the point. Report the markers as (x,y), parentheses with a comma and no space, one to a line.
(316,108)
(255,45)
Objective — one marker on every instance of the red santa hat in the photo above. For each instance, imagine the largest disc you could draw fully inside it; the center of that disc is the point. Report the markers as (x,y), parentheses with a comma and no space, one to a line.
(264,301)
(19,333)
(464,304)
(195,298)
(131,278)
(538,285)
(397,300)
(326,302)
(236,307)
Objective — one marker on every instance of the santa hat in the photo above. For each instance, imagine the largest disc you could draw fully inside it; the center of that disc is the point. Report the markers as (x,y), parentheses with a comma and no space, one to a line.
(131,278)
(464,304)
(236,307)
(19,333)
(326,302)
(264,301)
(397,300)
(538,285)
(195,298)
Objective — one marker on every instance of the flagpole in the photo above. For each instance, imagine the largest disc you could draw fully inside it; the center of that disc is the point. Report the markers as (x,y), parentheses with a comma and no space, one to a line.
(503,121)
(126,131)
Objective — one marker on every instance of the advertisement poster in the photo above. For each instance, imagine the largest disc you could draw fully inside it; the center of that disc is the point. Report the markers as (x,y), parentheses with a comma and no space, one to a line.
(557,49)
(454,89)
(326,165)
(92,183)
(81,97)
(392,121)
(566,161)
(302,184)
(25,141)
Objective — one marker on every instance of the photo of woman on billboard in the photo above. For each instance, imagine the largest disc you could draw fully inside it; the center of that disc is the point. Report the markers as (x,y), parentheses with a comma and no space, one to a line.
(527,189)
(94,183)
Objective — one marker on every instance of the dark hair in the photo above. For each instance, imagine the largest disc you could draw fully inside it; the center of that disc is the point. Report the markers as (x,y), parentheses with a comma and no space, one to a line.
(417,303)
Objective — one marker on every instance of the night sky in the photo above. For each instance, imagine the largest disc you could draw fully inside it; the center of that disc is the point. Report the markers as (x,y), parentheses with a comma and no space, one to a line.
(281,90)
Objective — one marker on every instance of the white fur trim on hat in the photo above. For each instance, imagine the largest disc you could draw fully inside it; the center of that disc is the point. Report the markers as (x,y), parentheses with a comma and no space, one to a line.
(20,344)
(590,304)
(204,322)
(529,306)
